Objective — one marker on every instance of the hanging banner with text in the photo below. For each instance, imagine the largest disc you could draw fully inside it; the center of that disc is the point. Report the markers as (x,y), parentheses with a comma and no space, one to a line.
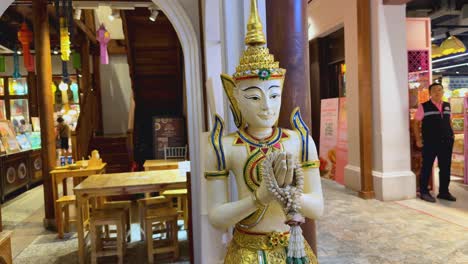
(328,137)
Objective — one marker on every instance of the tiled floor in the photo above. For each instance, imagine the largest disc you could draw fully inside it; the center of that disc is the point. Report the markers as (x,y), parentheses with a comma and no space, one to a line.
(352,231)
(360,231)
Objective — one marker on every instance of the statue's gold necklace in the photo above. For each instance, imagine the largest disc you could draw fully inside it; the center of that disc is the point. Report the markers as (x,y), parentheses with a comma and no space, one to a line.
(257,151)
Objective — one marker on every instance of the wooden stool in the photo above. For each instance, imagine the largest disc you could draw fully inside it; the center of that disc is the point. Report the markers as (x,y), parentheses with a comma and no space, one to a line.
(100,245)
(63,215)
(123,205)
(5,248)
(143,205)
(166,218)
(181,196)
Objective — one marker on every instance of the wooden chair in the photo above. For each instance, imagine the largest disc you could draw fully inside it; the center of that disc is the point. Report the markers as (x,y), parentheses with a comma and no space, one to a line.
(123,205)
(100,244)
(5,248)
(160,218)
(175,153)
(181,205)
(63,215)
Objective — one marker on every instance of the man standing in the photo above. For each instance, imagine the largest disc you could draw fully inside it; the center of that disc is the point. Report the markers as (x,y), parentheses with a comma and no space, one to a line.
(437,141)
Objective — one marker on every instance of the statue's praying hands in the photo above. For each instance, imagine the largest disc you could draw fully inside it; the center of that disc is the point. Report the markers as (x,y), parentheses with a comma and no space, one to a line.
(283,169)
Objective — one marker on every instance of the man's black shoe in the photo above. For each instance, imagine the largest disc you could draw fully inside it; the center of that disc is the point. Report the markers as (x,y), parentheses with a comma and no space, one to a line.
(428,197)
(447,196)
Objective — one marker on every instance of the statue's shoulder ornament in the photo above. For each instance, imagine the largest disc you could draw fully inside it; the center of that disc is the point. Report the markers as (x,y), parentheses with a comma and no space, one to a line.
(298,124)
(216,141)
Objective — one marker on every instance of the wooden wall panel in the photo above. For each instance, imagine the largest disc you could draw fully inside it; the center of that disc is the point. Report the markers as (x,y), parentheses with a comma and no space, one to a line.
(156,69)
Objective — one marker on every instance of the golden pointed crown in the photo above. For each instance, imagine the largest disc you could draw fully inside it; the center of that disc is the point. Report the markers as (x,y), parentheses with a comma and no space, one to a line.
(256,61)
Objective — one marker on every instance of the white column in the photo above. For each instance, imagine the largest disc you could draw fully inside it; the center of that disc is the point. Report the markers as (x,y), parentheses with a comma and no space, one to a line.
(393,178)
(224,31)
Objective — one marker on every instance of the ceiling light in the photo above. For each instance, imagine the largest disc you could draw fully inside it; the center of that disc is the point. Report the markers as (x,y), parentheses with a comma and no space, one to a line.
(449,58)
(451,66)
(457,72)
(18,52)
(55,51)
(77,14)
(154,14)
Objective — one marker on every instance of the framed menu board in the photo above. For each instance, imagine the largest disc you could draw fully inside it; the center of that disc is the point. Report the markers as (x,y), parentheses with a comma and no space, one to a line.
(168,132)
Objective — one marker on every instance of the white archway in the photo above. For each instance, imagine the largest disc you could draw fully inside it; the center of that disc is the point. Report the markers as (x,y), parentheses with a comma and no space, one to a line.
(190,46)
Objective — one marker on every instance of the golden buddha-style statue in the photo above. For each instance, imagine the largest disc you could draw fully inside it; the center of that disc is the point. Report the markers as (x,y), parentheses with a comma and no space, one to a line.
(276,169)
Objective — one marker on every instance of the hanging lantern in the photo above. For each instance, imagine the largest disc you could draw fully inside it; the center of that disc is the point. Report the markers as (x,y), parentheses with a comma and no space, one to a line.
(452,45)
(76,60)
(103,37)
(25,38)
(74,89)
(436,51)
(63,87)
(16,67)
(54,89)
(2,63)
(64,40)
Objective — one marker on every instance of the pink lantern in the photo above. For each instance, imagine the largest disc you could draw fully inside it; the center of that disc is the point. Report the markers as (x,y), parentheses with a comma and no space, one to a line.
(103,37)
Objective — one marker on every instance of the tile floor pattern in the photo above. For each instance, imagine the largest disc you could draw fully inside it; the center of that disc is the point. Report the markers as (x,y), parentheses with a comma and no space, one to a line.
(352,231)
(356,231)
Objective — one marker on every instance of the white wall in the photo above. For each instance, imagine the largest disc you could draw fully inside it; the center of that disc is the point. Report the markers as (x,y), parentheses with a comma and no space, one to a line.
(393,178)
(116,93)
(324,17)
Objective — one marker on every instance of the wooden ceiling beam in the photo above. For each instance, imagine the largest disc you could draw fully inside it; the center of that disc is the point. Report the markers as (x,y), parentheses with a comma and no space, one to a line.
(87,31)
(396,2)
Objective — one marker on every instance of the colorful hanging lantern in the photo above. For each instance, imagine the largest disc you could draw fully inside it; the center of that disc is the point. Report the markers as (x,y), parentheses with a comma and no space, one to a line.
(63,87)
(436,51)
(74,89)
(2,63)
(64,40)
(54,89)
(103,36)
(16,67)
(452,45)
(25,38)
(76,60)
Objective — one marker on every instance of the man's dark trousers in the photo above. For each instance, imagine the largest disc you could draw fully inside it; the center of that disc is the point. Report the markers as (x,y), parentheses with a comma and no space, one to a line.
(442,149)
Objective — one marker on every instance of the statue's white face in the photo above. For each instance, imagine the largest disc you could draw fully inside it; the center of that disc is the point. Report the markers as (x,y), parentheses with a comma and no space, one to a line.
(259,101)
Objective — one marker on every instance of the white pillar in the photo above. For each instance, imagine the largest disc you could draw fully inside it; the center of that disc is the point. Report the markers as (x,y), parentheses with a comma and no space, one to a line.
(393,178)
(224,31)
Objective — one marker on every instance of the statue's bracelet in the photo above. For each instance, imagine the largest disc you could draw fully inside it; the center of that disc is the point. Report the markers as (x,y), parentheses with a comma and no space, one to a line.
(256,200)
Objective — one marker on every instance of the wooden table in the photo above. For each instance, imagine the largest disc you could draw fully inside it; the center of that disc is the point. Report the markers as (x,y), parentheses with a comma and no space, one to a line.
(121,184)
(60,175)
(161,164)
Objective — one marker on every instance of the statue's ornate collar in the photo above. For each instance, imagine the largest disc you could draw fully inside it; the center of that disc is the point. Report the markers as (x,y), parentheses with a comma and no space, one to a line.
(244,137)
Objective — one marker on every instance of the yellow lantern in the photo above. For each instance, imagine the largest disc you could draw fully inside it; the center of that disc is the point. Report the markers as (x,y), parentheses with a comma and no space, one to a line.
(64,40)
(436,51)
(452,45)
